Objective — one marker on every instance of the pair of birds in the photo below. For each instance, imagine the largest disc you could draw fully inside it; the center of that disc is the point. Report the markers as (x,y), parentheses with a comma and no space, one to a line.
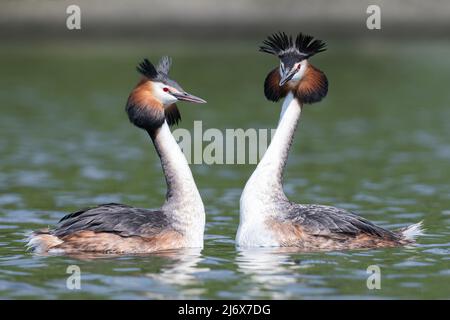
(267,217)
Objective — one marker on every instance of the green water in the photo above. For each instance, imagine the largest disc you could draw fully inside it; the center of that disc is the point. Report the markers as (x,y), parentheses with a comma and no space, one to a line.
(379,144)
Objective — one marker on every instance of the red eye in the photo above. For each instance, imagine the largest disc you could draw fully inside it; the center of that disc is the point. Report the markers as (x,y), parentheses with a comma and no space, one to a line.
(165,89)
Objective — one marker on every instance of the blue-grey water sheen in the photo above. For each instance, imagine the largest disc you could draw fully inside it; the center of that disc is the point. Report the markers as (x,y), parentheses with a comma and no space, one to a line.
(378,145)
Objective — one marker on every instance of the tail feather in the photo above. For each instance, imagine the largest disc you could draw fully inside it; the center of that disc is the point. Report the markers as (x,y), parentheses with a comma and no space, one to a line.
(413,231)
(42,241)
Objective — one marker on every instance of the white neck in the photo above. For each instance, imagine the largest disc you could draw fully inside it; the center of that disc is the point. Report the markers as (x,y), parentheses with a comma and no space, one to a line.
(263,197)
(265,184)
(183,201)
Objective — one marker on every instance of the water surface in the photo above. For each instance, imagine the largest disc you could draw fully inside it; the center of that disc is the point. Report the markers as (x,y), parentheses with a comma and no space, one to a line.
(379,145)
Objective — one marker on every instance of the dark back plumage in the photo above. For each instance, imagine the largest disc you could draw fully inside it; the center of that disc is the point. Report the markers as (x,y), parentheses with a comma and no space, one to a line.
(329,221)
(114,218)
(304,46)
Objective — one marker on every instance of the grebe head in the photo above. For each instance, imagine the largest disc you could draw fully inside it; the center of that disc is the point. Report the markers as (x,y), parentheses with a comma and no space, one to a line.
(294,70)
(153,99)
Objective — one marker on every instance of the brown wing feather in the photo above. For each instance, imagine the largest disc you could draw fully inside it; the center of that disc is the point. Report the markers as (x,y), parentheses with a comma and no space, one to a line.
(89,241)
(297,235)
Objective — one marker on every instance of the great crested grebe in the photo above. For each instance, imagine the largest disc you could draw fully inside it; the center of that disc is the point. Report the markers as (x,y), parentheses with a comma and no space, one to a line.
(118,228)
(267,217)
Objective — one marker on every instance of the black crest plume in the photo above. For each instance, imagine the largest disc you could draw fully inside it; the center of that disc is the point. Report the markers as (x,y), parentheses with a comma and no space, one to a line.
(160,73)
(164,65)
(146,68)
(304,45)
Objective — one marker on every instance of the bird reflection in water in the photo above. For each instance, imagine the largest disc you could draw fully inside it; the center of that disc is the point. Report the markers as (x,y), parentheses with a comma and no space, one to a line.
(271,269)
